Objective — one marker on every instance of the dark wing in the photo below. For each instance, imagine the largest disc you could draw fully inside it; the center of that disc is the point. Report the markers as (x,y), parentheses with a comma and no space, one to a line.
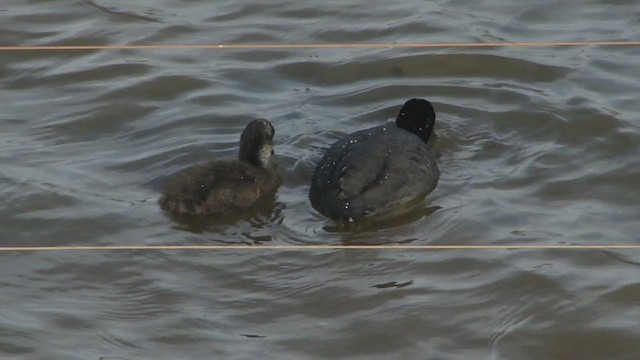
(349,165)
(410,171)
(358,169)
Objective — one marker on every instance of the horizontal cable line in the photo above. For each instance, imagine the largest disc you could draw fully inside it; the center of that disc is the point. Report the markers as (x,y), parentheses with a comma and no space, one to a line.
(319,46)
(318,247)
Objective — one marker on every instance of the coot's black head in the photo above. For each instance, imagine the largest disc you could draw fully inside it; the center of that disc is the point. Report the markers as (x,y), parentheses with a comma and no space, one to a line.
(256,143)
(418,117)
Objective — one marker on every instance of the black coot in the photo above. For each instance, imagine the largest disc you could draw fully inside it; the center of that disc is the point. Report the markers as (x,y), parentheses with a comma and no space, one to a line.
(224,186)
(377,170)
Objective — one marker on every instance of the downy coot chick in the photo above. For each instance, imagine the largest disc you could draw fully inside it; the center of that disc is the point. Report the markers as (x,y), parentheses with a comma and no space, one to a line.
(224,186)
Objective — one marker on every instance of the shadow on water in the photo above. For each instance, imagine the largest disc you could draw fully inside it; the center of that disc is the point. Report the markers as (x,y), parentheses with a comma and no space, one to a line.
(354,230)
(262,216)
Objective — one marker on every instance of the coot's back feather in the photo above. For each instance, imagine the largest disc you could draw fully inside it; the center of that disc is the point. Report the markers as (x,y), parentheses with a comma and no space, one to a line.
(375,171)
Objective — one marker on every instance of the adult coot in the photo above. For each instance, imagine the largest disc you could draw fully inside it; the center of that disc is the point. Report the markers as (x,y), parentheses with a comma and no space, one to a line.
(223,186)
(376,171)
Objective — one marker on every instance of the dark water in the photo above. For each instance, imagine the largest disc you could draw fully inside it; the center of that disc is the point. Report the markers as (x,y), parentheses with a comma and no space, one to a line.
(536,146)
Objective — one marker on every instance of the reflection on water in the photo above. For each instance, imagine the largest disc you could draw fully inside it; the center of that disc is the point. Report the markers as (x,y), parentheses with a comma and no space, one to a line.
(535,146)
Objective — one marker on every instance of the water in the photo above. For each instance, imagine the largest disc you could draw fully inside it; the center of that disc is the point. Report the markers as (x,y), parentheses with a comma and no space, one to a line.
(535,146)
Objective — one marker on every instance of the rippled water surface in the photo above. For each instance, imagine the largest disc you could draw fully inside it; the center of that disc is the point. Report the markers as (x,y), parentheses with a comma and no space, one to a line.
(536,146)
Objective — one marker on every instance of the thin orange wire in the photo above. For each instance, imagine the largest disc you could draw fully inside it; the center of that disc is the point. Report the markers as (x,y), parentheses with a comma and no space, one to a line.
(320,247)
(320,46)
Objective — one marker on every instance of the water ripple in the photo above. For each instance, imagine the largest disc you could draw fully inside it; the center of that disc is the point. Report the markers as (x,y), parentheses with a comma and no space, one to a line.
(535,146)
